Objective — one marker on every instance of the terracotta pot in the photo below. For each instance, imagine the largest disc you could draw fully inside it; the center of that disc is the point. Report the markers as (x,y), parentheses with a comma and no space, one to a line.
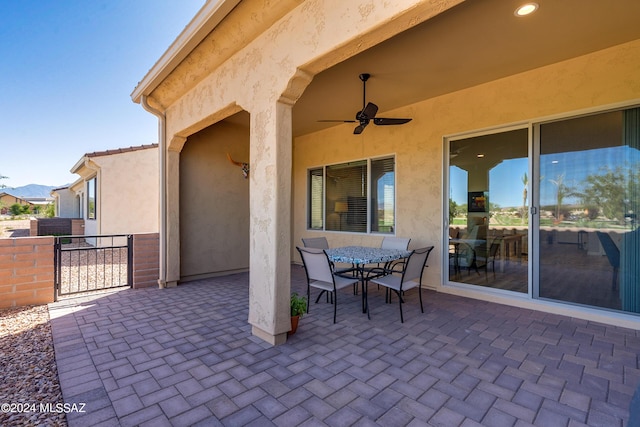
(294,325)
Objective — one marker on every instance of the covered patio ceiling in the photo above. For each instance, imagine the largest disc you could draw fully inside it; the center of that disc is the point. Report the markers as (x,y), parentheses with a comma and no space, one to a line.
(472,43)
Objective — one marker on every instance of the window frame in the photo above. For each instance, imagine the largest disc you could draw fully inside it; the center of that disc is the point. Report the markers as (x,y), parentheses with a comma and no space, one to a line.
(313,171)
(92,187)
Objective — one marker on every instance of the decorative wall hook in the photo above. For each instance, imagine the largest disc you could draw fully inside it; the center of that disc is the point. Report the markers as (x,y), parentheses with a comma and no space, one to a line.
(243,166)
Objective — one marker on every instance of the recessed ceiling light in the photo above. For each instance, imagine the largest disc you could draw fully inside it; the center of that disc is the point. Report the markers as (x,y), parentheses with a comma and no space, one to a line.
(526,9)
(480,156)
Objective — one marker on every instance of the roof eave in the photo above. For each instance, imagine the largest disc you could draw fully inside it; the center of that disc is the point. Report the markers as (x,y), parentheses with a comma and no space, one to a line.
(207,18)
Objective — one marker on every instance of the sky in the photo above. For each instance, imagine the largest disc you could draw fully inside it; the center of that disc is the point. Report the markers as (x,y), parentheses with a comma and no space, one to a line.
(572,168)
(67,70)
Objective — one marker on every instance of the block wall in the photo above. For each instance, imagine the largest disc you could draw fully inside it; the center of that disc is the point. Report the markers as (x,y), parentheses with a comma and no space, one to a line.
(77,227)
(146,258)
(26,271)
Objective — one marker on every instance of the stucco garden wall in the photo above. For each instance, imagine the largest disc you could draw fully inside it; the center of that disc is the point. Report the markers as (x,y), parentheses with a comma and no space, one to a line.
(586,82)
(214,202)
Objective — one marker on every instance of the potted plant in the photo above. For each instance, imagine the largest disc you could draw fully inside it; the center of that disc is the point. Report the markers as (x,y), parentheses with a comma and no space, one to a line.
(298,308)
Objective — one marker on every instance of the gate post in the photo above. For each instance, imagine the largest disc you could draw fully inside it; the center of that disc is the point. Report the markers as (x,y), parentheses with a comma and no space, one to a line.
(56,267)
(130,260)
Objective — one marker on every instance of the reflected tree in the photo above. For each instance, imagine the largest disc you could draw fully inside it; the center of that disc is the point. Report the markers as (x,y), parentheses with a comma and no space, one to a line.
(525,184)
(607,191)
(562,191)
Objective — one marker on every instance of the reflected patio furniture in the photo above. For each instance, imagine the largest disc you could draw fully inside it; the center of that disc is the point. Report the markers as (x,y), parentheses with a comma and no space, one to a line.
(320,275)
(410,278)
(486,257)
(508,242)
(613,255)
(464,253)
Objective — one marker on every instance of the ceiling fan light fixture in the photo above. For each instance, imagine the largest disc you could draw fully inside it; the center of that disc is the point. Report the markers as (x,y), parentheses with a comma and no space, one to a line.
(526,9)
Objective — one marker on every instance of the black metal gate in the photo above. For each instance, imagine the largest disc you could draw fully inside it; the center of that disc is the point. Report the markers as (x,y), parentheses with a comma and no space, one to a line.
(90,263)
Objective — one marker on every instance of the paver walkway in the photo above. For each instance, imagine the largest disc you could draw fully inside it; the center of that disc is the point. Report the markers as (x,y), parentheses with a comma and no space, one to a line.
(186,356)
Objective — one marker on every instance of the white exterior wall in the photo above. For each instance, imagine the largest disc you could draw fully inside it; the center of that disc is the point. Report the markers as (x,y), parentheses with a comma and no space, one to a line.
(66,204)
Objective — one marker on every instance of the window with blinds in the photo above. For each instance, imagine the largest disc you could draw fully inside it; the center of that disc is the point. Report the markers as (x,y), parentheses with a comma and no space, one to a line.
(341,199)
(316,190)
(383,195)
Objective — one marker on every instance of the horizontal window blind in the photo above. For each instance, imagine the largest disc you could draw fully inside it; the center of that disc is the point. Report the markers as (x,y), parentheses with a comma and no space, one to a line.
(316,188)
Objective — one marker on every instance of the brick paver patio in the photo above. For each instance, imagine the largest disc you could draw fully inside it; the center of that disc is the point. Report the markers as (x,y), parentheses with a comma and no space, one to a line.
(186,356)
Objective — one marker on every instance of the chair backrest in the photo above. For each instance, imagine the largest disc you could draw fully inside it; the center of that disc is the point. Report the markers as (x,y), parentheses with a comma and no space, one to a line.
(395,243)
(316,264)
(315,242)
(473,233)
(454,233)
(610,248)
(415,264)
(495,247)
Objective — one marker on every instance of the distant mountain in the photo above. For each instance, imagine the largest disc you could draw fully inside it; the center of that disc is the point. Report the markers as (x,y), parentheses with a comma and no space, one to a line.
(30,191)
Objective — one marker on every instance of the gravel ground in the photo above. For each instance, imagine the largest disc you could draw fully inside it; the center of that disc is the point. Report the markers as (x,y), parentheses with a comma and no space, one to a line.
(14,228)
(28,369)
(87,270)
(28,372)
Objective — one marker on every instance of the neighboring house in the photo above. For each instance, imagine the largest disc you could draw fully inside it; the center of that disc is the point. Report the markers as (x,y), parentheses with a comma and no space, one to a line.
(508,111)
(7,200)
(39,201)
(66,202)
(117,192)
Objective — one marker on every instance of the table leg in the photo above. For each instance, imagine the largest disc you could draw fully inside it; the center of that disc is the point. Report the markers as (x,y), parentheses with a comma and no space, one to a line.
(364,290)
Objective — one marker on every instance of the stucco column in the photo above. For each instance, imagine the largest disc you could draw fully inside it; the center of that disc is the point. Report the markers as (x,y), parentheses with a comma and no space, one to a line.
(270,229)
(173,215)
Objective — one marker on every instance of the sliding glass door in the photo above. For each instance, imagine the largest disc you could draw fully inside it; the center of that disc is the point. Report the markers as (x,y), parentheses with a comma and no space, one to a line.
(488,210)
(580,187)
(589,178)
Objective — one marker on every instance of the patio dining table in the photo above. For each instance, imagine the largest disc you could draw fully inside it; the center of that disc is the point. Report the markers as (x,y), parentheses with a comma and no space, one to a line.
(359,256)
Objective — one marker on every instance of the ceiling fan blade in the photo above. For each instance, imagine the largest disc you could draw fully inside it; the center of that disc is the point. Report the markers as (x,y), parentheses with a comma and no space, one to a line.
(358,130)
(368,112)
(337,121)
(381,121)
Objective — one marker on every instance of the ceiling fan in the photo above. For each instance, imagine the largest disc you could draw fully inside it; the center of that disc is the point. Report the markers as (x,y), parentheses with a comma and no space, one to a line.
(368,112)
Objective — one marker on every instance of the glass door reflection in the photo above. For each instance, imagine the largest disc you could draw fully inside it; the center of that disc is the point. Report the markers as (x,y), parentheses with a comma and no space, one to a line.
(488,210)
(589,252)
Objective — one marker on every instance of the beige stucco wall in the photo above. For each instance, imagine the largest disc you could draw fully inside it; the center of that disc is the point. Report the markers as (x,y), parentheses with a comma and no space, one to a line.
(265,78)
(128,192)
(602,78)
(268,75)
(214,202)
